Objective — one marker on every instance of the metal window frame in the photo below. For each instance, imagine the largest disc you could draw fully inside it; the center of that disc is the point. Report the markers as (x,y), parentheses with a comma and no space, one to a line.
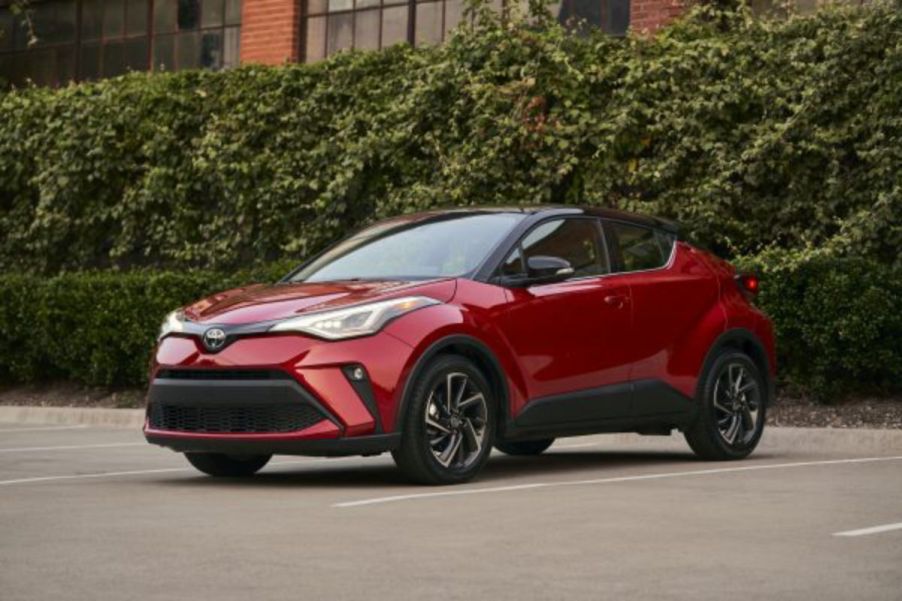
(104,41)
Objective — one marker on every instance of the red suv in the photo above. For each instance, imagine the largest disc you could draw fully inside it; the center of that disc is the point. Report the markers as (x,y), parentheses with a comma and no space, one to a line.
(440,335)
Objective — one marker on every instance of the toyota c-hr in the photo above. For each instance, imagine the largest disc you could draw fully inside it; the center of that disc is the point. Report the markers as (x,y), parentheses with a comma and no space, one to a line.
(440,335)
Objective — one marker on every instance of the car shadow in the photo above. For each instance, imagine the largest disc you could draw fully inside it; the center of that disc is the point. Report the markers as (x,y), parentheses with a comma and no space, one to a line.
(382,474)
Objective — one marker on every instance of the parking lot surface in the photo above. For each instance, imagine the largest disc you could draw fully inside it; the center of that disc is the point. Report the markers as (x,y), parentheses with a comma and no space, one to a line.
(91,513)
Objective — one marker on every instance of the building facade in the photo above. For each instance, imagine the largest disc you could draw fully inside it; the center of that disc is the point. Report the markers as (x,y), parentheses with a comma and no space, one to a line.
(83,40)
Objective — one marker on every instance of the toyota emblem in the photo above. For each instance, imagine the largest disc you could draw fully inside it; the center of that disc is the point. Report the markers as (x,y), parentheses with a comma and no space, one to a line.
(214,339)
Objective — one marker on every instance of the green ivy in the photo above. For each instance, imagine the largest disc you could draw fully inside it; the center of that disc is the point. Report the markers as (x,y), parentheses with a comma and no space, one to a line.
(753,133)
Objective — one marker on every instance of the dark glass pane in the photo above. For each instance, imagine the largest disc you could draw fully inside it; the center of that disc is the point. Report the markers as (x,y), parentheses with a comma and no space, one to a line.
(211,50)
(316,7)
(429,23)
(40,67)
(7,70)
(164,53)
(189,14)
(113,59)
(188,51)
(89,62)
(21,39)
(394,25)
(136,17)
(65,64)
(366,30)
(576,13)
(231,47)
(91,19)
(164,12)
(617,19)
(340,37)
(339,5)
(575,240)
(454,13)
(315,39)
(136,54)
(212,13)
(233,12)
(7,29)
(54,22)
(639,247)
(113,19)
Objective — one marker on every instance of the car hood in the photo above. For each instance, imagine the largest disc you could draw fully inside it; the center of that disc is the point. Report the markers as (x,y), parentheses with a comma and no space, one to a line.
(257,303)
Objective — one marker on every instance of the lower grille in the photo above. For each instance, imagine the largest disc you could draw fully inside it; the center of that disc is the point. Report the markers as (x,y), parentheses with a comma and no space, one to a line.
(233,419)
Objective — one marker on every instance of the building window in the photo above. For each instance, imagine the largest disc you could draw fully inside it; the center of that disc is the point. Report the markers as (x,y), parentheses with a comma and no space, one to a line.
(83,40)
(330,26)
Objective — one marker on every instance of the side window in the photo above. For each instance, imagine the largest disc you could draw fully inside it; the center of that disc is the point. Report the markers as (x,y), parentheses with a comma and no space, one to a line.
(641,247)
(575,240)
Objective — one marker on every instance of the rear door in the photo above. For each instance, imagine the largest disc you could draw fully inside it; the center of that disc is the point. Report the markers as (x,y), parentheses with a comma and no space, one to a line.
(671,291)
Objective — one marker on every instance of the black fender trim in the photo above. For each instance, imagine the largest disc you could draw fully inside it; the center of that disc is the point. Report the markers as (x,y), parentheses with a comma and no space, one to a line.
(738,338)
(451,342)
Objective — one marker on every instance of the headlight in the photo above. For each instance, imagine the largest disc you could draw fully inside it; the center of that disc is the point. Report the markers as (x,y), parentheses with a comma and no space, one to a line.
(174,322)
(359,320)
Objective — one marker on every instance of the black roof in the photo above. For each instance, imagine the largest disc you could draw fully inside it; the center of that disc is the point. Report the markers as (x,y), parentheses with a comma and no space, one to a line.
(606,213)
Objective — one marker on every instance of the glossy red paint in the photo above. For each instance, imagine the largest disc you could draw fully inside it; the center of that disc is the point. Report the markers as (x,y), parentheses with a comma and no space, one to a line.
(540,341)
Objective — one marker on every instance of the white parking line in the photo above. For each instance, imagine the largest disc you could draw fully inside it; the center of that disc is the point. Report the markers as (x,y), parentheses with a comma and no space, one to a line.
(164,470)
(75,447)
(43,428)
(658,476)
(872,530)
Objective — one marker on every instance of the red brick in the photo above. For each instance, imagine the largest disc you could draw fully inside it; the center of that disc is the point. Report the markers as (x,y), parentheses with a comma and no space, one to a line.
(270,31)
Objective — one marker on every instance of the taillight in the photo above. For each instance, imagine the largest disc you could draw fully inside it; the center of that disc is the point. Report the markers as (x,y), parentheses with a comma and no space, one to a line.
(749,284)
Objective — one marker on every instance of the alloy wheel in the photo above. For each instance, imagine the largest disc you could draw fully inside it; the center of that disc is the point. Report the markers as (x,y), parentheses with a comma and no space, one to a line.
(456,416)
(737,404)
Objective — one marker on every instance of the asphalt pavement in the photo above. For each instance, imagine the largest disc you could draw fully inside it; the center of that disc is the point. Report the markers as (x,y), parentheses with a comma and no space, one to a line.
(93,514)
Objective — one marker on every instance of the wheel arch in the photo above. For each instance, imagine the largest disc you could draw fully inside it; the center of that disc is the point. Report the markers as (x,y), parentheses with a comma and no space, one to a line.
(746,341)
(471,348)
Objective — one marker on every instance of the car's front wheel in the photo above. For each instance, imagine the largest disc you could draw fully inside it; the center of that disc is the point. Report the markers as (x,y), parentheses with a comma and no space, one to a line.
(227,466)
(449,423)
(733,402)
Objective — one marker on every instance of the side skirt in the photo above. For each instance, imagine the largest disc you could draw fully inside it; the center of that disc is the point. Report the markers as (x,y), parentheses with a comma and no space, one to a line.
(645,406)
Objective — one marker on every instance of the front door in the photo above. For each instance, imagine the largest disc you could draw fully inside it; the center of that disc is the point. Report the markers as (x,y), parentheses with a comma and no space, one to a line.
(572,337)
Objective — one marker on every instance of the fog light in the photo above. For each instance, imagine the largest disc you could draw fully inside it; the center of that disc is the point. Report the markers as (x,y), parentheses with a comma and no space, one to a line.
(357,373)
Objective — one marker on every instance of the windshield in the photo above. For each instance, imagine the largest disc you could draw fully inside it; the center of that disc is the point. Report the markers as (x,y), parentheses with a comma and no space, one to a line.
(448,245)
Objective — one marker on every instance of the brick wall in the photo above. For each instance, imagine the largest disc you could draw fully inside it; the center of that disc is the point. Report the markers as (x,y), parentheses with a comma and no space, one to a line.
(650,15)
(270,31)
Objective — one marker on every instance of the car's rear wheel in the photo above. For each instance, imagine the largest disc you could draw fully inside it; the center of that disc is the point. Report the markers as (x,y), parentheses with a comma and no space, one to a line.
(227,466)
(448,427)
(733,403)
(523,447)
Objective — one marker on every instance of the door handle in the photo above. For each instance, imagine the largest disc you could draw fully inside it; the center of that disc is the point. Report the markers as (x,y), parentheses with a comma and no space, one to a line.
(615,300)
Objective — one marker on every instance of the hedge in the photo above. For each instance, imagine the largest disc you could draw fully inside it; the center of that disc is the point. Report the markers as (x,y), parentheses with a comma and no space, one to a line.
(775,143)
(96,328)
(752,133)
(838,322)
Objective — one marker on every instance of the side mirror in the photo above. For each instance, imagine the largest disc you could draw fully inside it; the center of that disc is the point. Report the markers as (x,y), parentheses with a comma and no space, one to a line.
(543,269)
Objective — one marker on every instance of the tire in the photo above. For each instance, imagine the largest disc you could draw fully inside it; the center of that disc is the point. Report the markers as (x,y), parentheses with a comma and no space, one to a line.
(729,424)
(227,466)
(523,447)
(442,443)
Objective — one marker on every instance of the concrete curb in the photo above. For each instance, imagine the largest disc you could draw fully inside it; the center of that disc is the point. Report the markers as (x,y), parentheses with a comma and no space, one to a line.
(72,416)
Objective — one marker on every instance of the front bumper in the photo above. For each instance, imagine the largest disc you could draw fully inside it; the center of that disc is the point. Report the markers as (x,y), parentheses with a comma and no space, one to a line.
(247,412)
(282,394)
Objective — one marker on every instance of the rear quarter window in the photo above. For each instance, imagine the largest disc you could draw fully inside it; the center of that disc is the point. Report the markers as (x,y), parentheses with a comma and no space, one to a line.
(640,248)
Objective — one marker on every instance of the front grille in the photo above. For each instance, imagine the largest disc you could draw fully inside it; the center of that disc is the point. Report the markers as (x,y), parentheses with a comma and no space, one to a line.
(223,374)
(233,419)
